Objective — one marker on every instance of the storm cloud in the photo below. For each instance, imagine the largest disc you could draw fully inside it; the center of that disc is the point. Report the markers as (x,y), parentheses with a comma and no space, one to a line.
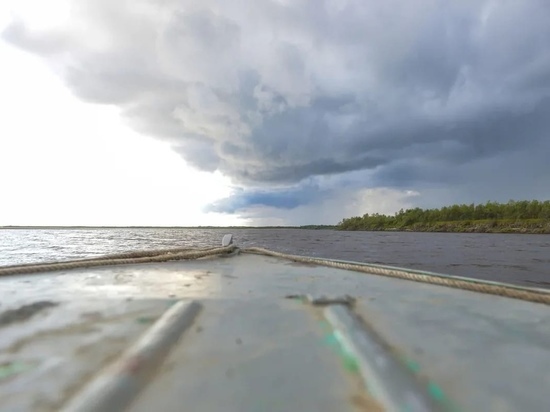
(294,99)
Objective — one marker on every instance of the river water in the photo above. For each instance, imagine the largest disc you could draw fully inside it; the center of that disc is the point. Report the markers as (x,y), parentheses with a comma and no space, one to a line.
(520,259)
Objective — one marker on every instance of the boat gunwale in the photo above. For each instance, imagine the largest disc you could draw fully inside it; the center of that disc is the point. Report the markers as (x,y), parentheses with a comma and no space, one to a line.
(321,260)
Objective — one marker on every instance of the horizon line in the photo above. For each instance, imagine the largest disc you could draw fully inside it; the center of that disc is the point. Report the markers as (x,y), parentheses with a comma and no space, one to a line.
(156,227)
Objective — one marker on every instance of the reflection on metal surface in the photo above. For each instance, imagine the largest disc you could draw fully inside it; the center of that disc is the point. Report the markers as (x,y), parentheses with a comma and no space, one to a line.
(116,387)
(250,341)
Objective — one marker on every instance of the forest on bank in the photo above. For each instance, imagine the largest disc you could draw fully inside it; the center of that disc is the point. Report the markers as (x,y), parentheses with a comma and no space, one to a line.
(526,216)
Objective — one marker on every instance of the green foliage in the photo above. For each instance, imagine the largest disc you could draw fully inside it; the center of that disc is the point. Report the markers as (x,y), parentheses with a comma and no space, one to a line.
(513,216)
(318,227)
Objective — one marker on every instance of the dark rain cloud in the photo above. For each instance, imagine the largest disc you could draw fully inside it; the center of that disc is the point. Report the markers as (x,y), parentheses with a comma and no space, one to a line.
(286,198)
(445,97)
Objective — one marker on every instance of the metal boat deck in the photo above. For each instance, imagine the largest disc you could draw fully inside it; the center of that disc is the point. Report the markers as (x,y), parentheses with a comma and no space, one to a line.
(240,334)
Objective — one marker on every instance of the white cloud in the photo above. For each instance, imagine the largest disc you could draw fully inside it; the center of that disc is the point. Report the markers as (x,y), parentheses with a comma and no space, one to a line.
(64,162)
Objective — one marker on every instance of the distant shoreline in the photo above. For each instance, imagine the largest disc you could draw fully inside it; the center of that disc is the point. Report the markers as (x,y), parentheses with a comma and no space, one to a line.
(310,227)
(527,227)
(438,227)
(525,216)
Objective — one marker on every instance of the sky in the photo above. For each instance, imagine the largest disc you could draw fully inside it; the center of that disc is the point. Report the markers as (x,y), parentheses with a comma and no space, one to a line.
(268,112)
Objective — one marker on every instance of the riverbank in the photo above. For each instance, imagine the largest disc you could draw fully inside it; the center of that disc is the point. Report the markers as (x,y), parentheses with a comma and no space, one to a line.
(526,226)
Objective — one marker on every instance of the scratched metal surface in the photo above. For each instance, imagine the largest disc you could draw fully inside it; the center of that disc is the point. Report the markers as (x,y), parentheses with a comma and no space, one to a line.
(486,352)
(50,346)
(249,356)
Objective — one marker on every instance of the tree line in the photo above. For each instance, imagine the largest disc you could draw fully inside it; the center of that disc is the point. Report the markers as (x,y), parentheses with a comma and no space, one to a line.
(491,212)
